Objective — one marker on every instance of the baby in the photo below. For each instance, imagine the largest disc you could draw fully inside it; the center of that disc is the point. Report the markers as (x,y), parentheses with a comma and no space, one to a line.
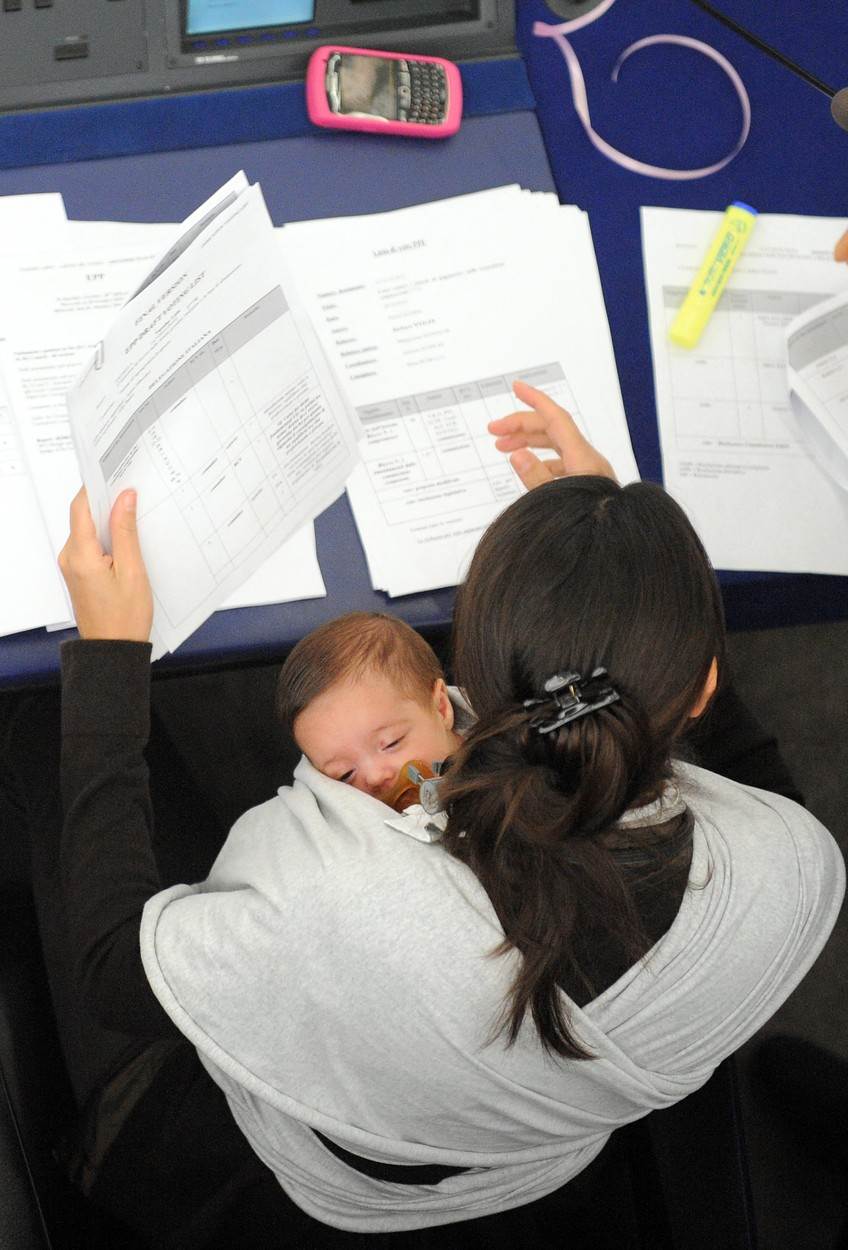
(362,696)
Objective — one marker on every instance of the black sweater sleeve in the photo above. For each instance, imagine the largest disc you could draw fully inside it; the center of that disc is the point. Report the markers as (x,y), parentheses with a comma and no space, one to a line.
(106,861)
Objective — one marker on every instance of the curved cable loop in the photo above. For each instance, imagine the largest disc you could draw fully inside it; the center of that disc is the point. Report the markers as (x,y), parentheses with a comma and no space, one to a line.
(581,103)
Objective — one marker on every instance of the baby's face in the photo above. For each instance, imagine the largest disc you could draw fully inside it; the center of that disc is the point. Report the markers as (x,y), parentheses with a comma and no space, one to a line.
(362,732)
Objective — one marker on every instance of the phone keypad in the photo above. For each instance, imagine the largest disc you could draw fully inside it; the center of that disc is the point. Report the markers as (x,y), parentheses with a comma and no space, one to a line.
(428,92)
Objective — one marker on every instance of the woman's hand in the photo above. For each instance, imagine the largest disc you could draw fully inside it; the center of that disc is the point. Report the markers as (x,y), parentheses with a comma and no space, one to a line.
(110,594)
(840,252)
(546,425)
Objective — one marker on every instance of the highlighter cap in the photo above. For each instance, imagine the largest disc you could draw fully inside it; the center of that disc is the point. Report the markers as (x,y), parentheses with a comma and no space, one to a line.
(686,332)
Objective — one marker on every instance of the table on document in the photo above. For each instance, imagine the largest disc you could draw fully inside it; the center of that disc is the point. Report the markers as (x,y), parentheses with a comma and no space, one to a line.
(430,454)
(220,456)
(730,391)
(822,356)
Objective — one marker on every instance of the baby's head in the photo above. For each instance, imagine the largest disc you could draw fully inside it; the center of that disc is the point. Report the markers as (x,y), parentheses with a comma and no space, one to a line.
(363,694)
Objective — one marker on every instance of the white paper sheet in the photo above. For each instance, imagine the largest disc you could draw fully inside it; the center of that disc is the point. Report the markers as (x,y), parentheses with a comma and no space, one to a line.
(427,315)
(63,299)
(210,397)
(33,592)
(732,454)
(817,359)
(32,587)
(57,305)
(26,220)
(291,573)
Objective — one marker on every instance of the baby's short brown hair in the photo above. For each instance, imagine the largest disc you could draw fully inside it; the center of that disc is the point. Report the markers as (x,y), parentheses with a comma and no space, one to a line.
(347,648)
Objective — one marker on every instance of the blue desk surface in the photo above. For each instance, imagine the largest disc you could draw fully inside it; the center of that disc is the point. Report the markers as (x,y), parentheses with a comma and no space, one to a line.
(670,107)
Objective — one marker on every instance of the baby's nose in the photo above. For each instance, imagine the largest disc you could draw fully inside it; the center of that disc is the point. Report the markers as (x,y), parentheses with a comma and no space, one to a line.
(378,776)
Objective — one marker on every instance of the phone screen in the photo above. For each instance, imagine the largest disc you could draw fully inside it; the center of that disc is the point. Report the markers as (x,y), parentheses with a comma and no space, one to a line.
(368,84)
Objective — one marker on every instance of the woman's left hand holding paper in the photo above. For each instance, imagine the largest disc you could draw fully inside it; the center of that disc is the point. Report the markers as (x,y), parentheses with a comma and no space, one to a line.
(110,594)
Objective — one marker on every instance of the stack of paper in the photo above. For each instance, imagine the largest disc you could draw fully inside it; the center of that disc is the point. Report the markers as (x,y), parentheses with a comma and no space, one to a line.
(228,378)
(31,593)
(62,286)
(427,315)
(733,453)
(57,302)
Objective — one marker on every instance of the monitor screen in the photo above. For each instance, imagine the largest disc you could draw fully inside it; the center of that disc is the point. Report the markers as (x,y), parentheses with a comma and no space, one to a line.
(205,17)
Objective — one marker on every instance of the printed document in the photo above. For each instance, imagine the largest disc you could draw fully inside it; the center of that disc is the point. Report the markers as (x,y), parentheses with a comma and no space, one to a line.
(33,592)
(29,219)
(427,315)
(291,572)
(734,454)
(817,356)
(210,396)
(59,304)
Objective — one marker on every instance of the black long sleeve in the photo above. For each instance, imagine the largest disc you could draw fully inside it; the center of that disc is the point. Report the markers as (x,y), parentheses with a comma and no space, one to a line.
(729,740)
(107,864)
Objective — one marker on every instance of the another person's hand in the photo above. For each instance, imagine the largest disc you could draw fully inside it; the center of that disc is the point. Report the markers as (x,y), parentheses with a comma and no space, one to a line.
(546,425)
(110,594)
(840,252)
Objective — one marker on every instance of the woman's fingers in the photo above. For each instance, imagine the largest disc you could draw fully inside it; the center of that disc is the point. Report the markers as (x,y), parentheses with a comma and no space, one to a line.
(533,471)
(82,522)
(111,595)
(522,437)
(82,549)
(520,429)
(547,425)
(126,551)
(840,252)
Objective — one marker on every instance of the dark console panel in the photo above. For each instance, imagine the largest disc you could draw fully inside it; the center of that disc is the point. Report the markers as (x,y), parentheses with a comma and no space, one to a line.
(56,52)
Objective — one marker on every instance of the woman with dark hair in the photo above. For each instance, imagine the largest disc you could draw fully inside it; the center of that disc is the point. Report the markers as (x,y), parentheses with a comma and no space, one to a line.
(418,1033)
(577,826)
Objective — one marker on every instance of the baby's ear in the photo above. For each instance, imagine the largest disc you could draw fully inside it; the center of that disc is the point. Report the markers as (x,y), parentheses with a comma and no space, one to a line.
(441,700)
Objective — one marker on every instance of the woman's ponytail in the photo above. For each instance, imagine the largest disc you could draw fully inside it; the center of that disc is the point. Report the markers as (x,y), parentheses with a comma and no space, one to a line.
(523,807)
(583,573)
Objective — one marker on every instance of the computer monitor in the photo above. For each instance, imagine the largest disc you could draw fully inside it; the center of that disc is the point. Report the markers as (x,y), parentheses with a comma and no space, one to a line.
(251,29)
(203,17)
(87,51)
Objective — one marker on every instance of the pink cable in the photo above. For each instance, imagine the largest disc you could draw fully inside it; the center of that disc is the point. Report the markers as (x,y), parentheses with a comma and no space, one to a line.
(581,103)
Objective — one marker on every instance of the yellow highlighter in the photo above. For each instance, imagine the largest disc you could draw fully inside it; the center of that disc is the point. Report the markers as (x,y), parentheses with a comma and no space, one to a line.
(725,249)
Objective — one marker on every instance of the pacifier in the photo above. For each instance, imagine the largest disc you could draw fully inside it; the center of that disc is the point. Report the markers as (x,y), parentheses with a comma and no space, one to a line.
(406,788)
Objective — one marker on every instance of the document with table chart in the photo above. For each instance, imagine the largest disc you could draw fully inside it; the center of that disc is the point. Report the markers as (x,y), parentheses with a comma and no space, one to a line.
(734,454)
(427,315)
(210,396)
(817,355)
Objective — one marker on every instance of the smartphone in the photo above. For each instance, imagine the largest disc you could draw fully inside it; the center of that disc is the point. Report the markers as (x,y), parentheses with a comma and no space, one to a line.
(388,93)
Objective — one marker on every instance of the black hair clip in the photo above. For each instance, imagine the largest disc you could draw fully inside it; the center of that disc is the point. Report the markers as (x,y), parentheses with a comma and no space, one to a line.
(573,696)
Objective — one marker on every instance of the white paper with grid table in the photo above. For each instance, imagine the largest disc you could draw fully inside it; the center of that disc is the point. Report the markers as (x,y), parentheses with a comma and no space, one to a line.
(817,356)
(427,315)
(211,398)
(733,454)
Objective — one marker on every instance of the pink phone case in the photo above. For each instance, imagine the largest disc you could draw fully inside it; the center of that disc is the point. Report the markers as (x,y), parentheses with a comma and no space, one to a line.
(321,114)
